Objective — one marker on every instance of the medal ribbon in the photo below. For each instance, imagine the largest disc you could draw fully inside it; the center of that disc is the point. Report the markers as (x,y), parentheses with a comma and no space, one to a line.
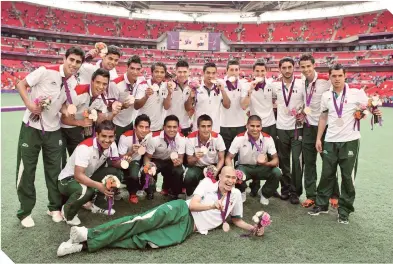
(67,90)
(260,85)
(339,111)
(178,84)
(254,143)
(223,214)
(230,85)
(201,144)
(130,87)
(309,96)
(170,141)
(287,100)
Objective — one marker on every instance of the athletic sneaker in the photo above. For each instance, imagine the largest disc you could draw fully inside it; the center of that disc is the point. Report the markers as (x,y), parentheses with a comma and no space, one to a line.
(133,199)
(316,210)
(294,199)
(164,192)
(264,201)
(66,248)
(244,196)
(78,234)
(56,216)
(74,222)
(27,221)
(308,203)
(333,203)
(97,210)
(343,220)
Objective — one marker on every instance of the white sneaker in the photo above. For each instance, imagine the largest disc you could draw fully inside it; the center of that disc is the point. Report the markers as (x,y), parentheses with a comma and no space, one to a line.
(244,196)
(74,222)
(78,234)
(56,216)
(264,200)
(28,221)
(87,206)
(97,210)
(66,248)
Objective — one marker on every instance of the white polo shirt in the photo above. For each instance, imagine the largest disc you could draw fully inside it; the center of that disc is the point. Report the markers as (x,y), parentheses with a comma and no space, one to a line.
(215,144)
(86,71)
(81,99)
(118,88)
(248,153)
(179,97)
(261,103)
(210,219)
(208,104)
(158,147)
(319,84)
(87,155)
(346,132)
(128,139)
(154,106)
(286,121)
(47,81)
(235,116)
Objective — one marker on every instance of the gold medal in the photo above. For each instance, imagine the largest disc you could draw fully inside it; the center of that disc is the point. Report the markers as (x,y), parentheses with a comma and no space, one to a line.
(307,110)
(261,158)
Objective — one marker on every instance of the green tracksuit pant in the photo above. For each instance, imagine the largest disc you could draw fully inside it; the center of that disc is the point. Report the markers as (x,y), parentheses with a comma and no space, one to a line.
(166,225)
(31,141)
(344,155)
(79,194)
(192,176)
(71,138)
(287,144)
(310,163)
(258,173)
(229,133)
(131,177)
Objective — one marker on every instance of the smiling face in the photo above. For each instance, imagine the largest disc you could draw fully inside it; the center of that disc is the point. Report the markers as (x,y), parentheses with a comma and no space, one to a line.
(170,128)
(209,74)
(158,74)
(254,128)
(72,64)
(182,74)
(307,69)
(110,61)
(205,128)
(133,71)
(142,129)
(227,179)
(260,71)
(105,138)
(99,85)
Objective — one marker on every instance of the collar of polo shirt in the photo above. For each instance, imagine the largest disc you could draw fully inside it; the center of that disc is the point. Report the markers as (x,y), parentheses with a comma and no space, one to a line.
(61,70)
(208,140)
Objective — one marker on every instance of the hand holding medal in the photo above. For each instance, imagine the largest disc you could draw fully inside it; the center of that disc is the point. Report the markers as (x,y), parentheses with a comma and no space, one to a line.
(101,48)
(125,162)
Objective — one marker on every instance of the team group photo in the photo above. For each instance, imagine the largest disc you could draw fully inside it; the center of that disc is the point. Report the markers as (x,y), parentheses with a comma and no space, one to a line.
(224,131)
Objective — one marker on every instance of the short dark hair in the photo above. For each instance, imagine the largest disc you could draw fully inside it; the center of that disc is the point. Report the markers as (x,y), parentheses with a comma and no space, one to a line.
(259,62)
(336,67)
(105,125)
(112,49)
(233,62)
(254,118)
(134,59)
(208,65)
(77,51)
(171,118)
(182,63)
(101,72)
(204,118)
(141,118)
(307,57)
(286,59)
(159,64)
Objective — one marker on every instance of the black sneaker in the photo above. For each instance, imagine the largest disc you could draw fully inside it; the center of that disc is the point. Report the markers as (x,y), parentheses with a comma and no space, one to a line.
(150,196)
(254,193)
(316,210)
(284,196)
(343,220)
(294,199)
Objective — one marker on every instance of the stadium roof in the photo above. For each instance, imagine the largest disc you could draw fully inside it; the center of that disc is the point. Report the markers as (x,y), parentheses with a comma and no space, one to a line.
(225,6)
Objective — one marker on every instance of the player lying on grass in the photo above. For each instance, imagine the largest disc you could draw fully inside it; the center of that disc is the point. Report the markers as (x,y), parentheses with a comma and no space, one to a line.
(168,224)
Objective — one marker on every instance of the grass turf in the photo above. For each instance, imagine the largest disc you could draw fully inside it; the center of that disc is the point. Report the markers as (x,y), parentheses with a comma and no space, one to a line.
(293,236)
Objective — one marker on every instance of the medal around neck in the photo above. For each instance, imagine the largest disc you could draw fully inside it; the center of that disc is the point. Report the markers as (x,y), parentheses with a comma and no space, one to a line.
(225,227)
(71,109)
(339,122)
(102,48)
(232,79)
(141,150)
(214,81)
(130,99)
(124,164)
(259,79)
(204,150)
(155,87)
(262,158)
(307,110)
(174,155)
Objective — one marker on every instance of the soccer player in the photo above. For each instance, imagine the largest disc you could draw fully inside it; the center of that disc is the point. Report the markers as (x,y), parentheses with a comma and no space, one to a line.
(289,93)
(208,98)
(204,147)
(84,97)
(180,94)
(168,224)
(341,146)
(153,96)
(108,62)
(253,147)
(49,82)
(259,98)
(120,89)
(133,144)
(233,119)
(166,149)
(315,85)
(85,170)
